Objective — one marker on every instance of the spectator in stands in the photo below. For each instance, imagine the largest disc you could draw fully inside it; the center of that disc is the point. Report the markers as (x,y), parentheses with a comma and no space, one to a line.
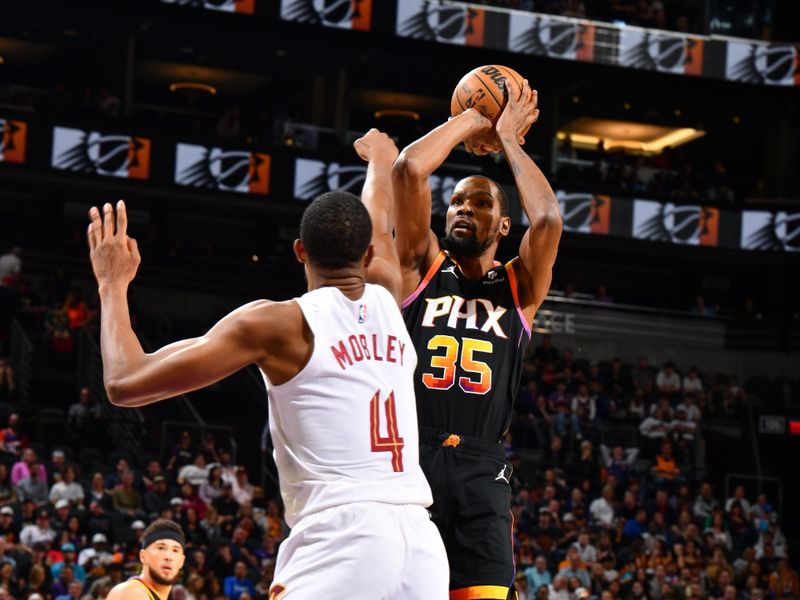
(601,294)
(574,567)
(691,409)
(96,555)
(68,550)
(784,583)
(9,529)
(667,380)
(12,440)
(701,309)
(182,453)
(666,472)
(654,427)
(211,488)
(643,376)
(560,403)
(126,499)
(67,488)
(76,310)
(11,265)
(545,352)
(602,509)
(33,487)
(586,551)
(8,495)
(114,478)
(738,496)
(559,589)
(195,473)
(226,504)
(97,491)
(84,414)
(683,429)
(155,501)
(39,531)
(692,383)
(637,409)
(618,462)
(705,503)
(584,408)
(538,575)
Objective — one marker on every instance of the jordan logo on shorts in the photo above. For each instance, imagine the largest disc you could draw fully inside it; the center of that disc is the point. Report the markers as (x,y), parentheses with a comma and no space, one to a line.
(502,475)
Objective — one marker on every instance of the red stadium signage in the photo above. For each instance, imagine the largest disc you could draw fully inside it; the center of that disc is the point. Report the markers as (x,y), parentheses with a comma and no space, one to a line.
(99,153)
(13,138)
(340,14)
(227,170)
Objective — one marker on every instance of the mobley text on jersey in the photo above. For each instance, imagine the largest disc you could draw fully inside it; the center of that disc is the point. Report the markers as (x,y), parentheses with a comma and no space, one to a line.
(356,348)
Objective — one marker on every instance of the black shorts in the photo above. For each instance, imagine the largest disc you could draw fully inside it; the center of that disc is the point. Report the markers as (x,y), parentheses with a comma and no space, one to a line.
(472,509)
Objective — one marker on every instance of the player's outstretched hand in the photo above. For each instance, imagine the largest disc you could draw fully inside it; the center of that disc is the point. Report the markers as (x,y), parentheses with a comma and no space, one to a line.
(115,256)
(519,114)
(376,145)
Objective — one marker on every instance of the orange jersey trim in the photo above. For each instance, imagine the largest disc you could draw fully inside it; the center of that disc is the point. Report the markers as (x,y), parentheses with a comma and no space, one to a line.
(477,592)
(512,280)
(437,262)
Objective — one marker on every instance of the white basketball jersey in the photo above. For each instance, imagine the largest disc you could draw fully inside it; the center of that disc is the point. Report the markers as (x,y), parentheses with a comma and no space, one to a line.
(345,427)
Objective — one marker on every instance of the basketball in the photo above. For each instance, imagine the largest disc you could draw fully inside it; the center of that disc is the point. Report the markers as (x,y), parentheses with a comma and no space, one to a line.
(485,89)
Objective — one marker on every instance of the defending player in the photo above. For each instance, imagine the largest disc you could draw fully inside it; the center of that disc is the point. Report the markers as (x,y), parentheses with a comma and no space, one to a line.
(339,367)
(470,320)
(162,557)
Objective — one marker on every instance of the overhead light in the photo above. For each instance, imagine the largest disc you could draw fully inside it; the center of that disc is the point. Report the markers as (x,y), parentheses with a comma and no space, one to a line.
(640,138)
(397,113)
(192,85)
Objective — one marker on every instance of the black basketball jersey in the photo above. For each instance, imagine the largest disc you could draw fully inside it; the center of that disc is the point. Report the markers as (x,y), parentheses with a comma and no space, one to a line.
(470,336)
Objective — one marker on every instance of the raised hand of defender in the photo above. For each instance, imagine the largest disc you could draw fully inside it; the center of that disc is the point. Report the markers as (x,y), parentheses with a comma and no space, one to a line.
(519,114)
(115,256)
(376,145)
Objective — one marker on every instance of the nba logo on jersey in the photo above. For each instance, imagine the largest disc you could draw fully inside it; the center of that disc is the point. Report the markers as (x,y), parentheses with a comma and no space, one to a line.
(362,313)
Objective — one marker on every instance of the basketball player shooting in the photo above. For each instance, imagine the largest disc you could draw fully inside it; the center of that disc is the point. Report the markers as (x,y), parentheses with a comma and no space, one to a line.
(470,320)
(339,366)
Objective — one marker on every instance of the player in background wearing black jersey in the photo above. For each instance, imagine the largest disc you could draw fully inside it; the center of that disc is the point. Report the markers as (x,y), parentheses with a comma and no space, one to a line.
(162,556)
(470,319)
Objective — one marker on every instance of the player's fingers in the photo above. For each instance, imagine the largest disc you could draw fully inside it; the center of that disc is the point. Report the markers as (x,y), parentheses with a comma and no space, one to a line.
(534,116)
(133,248)
(535,97)
(97,224)
(122,218)
(525,93)
(108,221)
(90,237)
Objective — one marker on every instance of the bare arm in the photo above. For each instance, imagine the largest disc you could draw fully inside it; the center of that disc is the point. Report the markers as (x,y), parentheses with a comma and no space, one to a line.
(539,246)
(416,243)
(135,378)
(379,151)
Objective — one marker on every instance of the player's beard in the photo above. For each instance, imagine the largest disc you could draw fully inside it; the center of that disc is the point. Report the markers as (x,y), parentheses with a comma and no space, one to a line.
(467,247)
(163,580)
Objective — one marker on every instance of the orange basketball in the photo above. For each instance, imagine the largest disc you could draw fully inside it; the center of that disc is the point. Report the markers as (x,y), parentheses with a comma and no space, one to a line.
(486,89)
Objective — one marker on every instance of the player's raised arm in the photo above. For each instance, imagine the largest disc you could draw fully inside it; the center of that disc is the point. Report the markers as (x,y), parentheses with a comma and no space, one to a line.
(380,152)
(135,378)
(539,246)
(416,244)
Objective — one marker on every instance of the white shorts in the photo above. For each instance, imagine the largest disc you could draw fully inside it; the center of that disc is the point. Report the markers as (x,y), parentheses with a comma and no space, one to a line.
(363,551)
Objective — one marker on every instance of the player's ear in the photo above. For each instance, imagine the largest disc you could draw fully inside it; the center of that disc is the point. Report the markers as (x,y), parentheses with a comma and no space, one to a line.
(369,255)
(300,251)
(505,226)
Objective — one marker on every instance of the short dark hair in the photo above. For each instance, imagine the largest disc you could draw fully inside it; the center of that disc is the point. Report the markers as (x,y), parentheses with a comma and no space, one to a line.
(161,524)
(501,195)
(335,230)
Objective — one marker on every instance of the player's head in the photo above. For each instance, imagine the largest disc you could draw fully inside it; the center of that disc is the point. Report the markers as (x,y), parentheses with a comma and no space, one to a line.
(477,217)
(162,552)
(335,232)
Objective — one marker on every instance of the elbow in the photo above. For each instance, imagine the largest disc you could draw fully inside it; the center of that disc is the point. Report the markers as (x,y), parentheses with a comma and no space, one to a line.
(407,167)
(119,394)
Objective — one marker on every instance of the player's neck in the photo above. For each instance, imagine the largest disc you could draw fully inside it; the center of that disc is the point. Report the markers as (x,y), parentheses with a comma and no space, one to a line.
(162,591)
(349,282)
(475,267)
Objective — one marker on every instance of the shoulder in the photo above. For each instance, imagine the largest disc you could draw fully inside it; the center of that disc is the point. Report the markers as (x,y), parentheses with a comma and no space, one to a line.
(131,589)
(265,319)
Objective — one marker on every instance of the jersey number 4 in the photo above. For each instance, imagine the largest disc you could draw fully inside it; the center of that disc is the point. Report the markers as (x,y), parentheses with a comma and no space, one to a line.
(389,443)
(466,358)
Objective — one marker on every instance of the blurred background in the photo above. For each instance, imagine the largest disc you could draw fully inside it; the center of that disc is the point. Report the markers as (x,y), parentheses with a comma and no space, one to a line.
(669,129)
